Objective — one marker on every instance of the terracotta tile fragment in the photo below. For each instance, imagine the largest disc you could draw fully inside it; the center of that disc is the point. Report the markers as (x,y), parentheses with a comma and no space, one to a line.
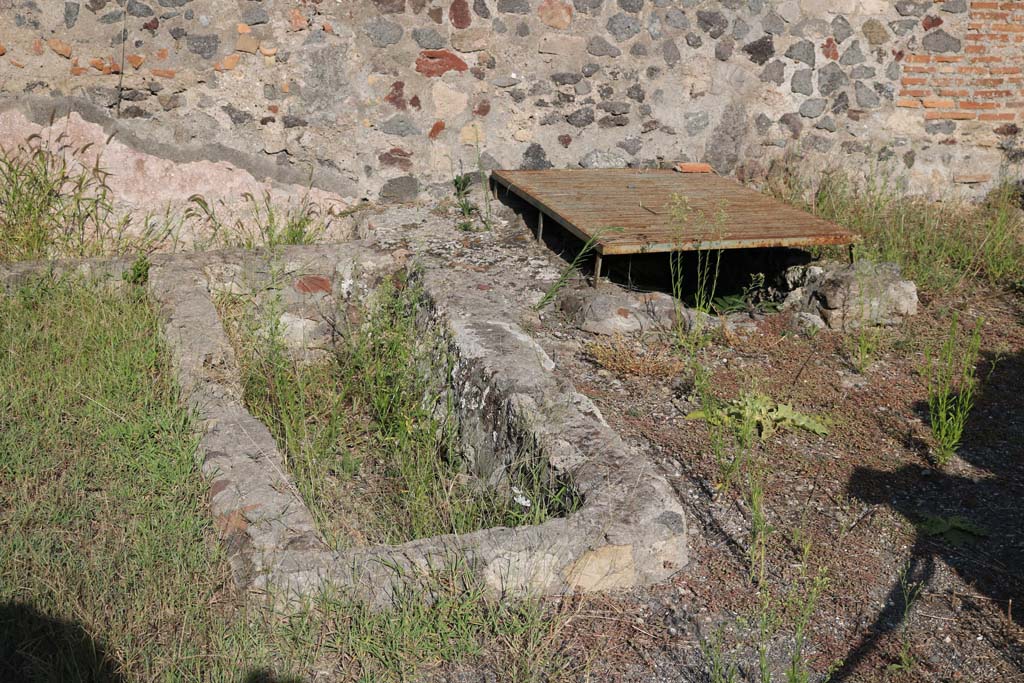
(60,47)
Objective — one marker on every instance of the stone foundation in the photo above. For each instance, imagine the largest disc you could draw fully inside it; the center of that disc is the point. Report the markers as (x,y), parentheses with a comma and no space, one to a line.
(630,530)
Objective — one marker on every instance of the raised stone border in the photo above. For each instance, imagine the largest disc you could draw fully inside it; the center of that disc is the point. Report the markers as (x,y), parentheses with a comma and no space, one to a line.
(631,529)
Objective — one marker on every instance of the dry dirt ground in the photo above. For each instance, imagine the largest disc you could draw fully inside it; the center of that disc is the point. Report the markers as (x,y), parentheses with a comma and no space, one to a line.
(906,599)
(863,495)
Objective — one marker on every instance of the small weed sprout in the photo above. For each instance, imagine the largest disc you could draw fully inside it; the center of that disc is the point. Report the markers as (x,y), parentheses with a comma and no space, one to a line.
(485,179)
(950,374)
(760,530)
(462,184)
(573,267)
(694,227)
(910,592)
(864,347)
(138,274)
(719,669)
(802,601)
(754,414)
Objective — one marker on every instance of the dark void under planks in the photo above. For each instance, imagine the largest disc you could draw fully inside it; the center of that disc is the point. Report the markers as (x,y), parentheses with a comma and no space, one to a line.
(639,203)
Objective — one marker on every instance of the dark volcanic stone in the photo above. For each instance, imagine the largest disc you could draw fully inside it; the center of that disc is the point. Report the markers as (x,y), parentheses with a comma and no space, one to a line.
(237,116)
(566,78)
(581,117)
(792,123)
(513,6)
(623,27)
(535,158)
(428,38)
(401,189)
(613,121)
(909,8)
(383,33)
(760,50)
(841,29)
(813,108)
(940,41)
(138,9)
(775,72)
(203,45)
(599,47)
(676,18)
(670,52)
(853,55)
(390,6)
(802,82)
(866,97)
(695,122)
(831,78)
(615,108)
(71,14)
(724,49)
(588,6)
(712,22)
(802,51)
(774,24)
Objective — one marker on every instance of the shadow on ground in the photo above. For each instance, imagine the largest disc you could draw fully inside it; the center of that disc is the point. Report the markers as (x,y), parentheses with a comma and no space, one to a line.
(267,676)
(969,518)
(36,647)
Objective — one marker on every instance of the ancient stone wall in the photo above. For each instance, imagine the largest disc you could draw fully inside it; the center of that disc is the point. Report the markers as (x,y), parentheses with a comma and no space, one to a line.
(385,99)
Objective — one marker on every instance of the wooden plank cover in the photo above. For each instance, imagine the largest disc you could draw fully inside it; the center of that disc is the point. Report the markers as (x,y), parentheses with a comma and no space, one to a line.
(723,214)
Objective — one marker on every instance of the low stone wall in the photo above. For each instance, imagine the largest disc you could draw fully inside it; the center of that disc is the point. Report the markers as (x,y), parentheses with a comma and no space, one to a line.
(384,99)
(630,530)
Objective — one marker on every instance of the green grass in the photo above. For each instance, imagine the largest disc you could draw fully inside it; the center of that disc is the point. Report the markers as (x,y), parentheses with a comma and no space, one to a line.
(939,245)
(950,373)
(52,206)
(369,435)
(109,569)
(268,225)
(102,513)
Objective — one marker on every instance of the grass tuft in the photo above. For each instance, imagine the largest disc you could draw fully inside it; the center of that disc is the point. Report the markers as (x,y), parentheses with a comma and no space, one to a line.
(368,436)
(950,373)
(51,206)
(108,565)
(939,245)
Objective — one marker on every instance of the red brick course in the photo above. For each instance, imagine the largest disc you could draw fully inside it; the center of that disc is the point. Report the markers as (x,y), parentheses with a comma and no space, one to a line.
(984,82)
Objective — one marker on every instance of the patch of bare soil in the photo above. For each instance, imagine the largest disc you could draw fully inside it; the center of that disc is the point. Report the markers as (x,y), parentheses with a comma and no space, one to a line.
(883,520)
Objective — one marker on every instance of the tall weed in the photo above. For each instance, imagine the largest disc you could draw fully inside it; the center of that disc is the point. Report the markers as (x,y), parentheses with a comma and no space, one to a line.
(938,244)
(950,373)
